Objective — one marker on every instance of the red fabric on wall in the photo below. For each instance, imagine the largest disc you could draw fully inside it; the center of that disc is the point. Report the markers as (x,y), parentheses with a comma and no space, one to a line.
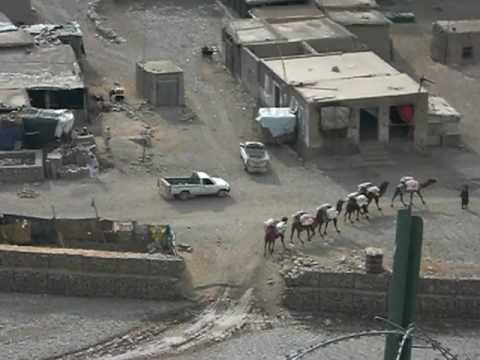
(406,113)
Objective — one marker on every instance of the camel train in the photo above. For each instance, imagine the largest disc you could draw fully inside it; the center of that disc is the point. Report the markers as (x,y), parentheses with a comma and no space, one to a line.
(356,205)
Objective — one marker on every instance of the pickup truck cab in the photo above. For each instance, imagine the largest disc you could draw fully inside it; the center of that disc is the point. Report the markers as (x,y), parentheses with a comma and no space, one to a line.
(199,183)
(254,156)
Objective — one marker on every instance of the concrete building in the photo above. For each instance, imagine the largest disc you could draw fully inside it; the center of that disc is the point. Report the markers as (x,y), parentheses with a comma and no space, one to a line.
(456,42)
(246,42)
(160,82)
(242,7)
(326,5)
(18,11)
(344,100)
(50,75)
(371,27)
(304,11)
(443,123)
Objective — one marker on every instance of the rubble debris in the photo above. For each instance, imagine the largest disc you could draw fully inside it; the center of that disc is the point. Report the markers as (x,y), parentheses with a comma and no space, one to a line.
(103,30)
(185,248)
(27,193)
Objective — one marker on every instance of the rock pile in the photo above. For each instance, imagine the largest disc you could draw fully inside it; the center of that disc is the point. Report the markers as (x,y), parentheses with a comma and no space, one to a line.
(99,21)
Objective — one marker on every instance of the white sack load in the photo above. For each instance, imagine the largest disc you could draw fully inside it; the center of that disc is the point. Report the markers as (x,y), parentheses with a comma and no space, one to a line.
(412,185)
(362,200)
(332,214)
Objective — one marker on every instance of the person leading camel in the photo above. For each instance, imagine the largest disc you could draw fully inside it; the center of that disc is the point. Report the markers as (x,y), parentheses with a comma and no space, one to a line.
(465,197)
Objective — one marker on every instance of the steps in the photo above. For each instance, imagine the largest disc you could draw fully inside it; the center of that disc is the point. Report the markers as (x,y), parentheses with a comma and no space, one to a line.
(373,154)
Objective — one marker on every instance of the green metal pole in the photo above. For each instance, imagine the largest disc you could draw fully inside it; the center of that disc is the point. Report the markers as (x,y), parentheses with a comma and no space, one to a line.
(415,259)
(396,299)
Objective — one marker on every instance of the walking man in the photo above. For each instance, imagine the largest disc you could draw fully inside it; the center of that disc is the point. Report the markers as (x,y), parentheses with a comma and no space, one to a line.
(464,196)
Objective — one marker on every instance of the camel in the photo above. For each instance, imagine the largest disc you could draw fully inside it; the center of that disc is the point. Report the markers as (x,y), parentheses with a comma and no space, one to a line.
(373,193)
(326,214)
(409,185)
(303,221)
(356,204)
(274,230)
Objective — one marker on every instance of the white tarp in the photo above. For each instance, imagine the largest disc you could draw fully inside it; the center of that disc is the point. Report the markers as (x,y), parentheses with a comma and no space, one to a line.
(279,121)
(64,118)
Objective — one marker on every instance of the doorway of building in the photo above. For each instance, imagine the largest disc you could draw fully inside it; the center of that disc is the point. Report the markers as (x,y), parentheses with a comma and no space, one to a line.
(369,124)
(401,122)
(276,95)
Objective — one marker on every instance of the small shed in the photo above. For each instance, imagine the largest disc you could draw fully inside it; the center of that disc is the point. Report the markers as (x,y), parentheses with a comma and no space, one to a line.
(443,122)
(160,82)
(456,42)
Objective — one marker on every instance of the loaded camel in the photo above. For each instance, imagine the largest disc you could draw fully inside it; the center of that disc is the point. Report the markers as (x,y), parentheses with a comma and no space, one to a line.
(409,185)
(356,204)
(273,230)
(303,221)
(326,214)
(373,193)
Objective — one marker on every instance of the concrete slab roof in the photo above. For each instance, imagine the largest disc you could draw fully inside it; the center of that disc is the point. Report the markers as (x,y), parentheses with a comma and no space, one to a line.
(249,31)
(16,38)
(273,2)
(302,11)
(347,4)
(360,88)
(459,26)
(316,68)
(41,68)
(160,67)
(364,17)
(348,76)
(12,99)
(320,28)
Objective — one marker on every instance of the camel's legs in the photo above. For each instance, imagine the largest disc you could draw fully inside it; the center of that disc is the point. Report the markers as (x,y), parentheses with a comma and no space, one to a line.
(335,223)
(421,197)
(377,202)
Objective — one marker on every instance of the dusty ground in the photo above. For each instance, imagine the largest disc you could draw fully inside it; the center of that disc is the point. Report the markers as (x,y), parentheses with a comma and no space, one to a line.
(226,234)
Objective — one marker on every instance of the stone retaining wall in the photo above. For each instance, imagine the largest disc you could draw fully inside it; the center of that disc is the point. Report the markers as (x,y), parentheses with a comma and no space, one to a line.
(366,295)
(90,273)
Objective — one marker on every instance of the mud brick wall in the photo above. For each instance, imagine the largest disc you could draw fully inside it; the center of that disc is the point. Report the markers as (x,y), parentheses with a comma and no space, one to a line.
(90,273)
(366,295)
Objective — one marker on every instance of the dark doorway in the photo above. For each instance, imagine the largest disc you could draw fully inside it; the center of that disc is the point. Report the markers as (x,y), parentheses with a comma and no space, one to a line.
(401,121)
(369,124)
(276,94)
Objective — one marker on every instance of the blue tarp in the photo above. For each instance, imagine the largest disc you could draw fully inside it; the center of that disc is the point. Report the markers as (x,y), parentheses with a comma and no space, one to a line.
(278,121)
(8,136)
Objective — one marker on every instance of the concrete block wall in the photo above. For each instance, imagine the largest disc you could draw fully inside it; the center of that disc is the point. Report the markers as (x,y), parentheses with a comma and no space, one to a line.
(25,172)
(366,295)
(89,273)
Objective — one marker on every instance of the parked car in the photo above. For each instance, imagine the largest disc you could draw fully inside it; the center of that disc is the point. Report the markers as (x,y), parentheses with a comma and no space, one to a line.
(254,156)
(199,183)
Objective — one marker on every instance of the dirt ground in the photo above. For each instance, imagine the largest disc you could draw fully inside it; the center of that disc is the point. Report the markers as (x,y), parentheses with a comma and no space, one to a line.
(226,234)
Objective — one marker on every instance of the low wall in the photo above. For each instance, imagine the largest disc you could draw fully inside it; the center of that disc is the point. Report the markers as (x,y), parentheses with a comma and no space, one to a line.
(90,273)
(31,169)
(366,295)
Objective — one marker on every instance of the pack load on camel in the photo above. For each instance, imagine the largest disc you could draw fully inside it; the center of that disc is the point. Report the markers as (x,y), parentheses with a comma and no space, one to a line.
(274,229)
(410,185)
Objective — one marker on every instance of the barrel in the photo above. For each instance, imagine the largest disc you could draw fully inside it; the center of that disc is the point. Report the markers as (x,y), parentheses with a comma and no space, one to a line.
(373,260)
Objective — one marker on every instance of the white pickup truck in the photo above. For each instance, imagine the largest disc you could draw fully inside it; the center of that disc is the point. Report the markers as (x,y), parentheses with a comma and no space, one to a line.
(199,183)
(254,156)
